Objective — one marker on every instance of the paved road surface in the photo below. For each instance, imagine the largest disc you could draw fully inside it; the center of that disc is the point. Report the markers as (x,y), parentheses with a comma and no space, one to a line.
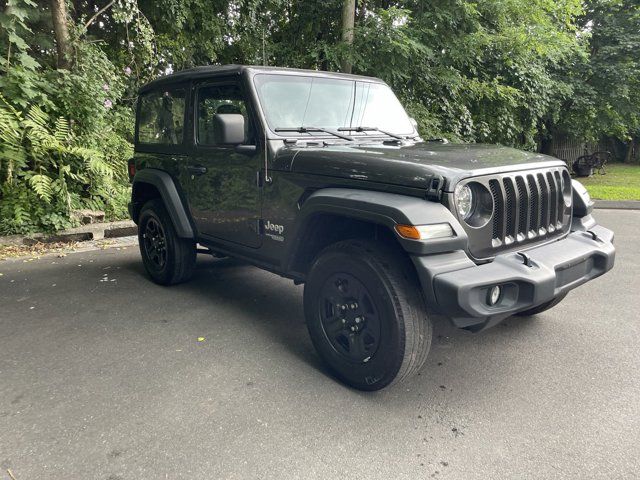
(102,376)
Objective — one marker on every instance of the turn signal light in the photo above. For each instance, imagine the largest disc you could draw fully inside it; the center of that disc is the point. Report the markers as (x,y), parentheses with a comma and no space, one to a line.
(425,232)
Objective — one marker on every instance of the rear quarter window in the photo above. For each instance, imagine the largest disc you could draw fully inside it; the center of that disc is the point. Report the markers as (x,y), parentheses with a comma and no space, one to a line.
(161,117)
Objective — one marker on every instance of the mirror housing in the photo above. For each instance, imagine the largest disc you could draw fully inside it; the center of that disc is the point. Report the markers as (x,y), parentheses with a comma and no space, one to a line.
(228,129)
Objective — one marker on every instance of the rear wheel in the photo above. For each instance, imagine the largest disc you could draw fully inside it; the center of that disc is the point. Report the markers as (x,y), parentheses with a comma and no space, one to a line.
(542,307)
(366,315)
(167,258)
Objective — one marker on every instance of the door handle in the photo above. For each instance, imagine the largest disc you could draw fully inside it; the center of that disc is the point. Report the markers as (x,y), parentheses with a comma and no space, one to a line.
(196,169)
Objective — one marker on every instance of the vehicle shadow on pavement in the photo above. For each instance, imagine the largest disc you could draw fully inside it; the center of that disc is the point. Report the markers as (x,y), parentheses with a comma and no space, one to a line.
(262,310)
(273,305)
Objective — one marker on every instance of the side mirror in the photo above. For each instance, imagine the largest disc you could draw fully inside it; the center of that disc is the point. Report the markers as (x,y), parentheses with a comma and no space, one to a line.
(414,123)
(228,129)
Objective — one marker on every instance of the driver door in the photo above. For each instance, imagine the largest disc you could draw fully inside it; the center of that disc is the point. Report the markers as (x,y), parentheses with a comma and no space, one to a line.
(221,184)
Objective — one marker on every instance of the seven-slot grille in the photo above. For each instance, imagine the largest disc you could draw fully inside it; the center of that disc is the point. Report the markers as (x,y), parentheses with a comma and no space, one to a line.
(527,205)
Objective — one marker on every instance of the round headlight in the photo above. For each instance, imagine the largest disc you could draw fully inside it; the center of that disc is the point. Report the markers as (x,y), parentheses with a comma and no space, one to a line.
(474,204)
(464,201)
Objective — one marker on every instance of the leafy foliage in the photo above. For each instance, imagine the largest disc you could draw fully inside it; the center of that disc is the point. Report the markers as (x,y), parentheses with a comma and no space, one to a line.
(514,72)
(46,173)
(607,93)
(474,71)
(64,139)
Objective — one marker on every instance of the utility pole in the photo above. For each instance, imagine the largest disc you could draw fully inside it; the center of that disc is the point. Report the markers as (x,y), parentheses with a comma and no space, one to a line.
(348,24)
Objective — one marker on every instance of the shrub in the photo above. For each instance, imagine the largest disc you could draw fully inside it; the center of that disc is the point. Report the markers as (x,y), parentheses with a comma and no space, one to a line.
(46,173)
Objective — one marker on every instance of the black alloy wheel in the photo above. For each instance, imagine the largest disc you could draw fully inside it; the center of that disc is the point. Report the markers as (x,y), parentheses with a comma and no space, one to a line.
(349,317)
(366,314)
(155,243)
(167,258)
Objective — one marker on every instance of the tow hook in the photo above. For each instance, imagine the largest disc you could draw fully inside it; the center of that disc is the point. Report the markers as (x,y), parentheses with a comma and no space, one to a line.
(526,259)
(594,235)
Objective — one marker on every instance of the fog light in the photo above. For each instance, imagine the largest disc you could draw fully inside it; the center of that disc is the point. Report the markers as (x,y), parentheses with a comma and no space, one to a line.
(494,295)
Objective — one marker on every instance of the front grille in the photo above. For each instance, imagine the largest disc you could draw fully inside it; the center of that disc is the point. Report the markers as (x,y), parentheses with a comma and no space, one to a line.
(528,207)
(528,211)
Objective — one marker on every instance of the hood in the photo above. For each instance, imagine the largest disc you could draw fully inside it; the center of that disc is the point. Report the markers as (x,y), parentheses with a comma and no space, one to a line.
(411,165)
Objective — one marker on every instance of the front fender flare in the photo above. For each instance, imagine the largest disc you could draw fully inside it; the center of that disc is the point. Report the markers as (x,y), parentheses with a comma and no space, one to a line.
(382,208)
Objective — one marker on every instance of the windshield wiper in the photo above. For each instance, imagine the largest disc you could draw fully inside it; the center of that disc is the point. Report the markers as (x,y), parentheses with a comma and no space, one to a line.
(370,129)
(311,130)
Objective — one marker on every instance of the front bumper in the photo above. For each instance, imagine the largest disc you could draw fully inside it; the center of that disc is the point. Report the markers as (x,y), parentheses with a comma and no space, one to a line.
(458,288)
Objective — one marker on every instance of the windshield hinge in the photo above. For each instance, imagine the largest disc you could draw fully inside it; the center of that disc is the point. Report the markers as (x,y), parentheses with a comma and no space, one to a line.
(436,186)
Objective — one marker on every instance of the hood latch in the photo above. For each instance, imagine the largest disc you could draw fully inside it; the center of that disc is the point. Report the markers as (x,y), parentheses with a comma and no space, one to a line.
(436,186)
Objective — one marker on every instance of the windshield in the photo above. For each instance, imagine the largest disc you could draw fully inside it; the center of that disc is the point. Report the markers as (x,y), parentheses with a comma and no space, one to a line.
(291,102)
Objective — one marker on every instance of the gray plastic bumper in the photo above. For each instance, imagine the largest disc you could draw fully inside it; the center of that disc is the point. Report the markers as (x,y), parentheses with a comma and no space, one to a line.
(527,278)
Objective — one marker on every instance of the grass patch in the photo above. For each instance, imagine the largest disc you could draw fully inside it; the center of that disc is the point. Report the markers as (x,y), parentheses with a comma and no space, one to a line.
(622,182)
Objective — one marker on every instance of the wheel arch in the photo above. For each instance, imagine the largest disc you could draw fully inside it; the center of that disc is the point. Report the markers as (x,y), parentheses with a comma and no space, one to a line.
(335,214)
(151,183)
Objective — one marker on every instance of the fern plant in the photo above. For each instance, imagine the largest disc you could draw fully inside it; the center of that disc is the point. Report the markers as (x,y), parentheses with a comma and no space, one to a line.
(46,173)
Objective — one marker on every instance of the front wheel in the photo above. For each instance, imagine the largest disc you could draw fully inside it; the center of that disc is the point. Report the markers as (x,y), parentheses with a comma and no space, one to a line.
(366,315)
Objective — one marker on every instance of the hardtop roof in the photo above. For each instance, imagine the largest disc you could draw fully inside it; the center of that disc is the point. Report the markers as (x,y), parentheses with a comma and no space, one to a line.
(217,70)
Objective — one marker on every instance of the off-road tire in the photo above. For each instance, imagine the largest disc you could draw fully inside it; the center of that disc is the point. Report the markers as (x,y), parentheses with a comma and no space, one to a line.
(543,307)
(180,257)
(390,281)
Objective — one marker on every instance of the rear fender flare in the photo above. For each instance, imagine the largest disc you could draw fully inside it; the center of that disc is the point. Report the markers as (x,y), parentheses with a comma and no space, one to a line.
(170,196)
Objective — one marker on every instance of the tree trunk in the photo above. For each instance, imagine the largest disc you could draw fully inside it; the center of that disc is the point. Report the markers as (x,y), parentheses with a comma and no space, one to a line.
(61,30)
(545,137)
(546,145)
(348,24)
(631,147)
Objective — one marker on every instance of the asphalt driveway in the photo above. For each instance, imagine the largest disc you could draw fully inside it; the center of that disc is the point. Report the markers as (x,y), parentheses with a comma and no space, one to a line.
(104,375)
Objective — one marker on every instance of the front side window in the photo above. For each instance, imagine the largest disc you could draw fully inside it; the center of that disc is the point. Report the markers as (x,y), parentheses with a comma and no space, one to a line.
(291,101)
(161,117)
(215,100)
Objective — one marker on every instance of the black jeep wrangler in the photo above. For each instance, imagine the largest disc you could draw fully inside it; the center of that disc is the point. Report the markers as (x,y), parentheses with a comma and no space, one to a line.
(322,178)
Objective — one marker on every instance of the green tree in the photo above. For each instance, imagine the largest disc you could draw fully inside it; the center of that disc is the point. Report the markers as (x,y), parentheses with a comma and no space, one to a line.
(607,82)
(64,126)
(516,72)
